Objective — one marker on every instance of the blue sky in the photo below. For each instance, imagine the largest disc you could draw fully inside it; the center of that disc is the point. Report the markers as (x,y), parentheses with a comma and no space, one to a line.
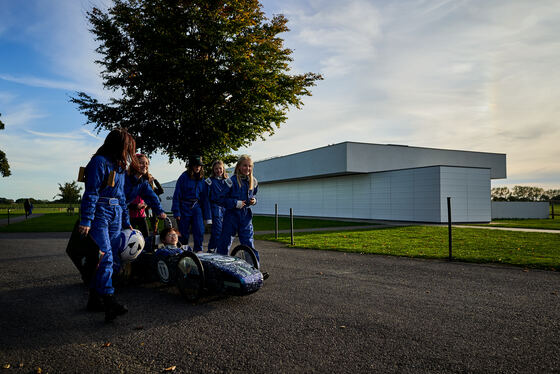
(478,75)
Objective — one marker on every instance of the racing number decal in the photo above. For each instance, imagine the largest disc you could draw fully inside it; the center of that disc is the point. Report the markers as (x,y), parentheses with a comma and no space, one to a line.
(163,271)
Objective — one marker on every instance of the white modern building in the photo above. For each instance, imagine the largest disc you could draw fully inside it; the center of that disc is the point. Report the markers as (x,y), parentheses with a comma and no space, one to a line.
(377,182)
(167,196)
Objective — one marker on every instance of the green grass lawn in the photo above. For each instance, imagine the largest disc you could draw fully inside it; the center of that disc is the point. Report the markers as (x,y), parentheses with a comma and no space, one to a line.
(56,222)
(548,224)
(532,249)
(535,250)
(267,223)
(49,222)
(40,210)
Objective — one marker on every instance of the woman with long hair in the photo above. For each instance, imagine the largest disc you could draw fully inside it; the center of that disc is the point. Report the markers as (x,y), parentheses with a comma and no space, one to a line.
(238,197)
(140,191)
(104,212)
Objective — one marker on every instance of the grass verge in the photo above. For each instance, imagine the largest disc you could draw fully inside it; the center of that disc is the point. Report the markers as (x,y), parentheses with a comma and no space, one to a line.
(50,222)
(266,223)
(534,250)
(61,222)
(547,224)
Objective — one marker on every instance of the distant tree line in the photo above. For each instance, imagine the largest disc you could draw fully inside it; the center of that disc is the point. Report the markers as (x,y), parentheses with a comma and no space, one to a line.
(4,200)
(524,193)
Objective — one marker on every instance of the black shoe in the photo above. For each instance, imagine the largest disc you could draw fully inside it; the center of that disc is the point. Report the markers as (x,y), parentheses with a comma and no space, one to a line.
(265,275)
(112,308)
(95,302)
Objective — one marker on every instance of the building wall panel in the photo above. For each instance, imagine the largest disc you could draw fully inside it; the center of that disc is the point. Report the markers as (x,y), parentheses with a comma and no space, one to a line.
(402,195)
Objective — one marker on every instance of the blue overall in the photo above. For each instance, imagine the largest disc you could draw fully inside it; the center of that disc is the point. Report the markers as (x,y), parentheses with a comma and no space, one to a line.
(104,210)
(237,221)
(214,188)
(134,186)
(191,205)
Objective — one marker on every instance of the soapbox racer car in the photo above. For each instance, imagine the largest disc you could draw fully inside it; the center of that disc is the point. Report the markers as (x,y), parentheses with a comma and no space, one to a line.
(197,274)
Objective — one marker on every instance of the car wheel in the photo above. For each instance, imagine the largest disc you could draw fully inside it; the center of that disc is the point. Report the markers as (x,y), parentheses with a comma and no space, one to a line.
(164,269)
(246,253)
(190,280)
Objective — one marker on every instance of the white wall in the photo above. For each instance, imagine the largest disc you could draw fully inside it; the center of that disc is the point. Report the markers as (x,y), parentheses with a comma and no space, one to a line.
(354,158)
(418,194)
(520,209)
(167,196)
(469,189)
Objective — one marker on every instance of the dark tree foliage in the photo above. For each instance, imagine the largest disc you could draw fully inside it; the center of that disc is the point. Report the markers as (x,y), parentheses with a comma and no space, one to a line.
(524,193)
(4,166)
(193,77)
(69,192)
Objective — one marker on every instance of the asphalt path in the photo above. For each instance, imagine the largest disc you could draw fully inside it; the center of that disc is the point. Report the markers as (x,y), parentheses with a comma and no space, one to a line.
(319,311)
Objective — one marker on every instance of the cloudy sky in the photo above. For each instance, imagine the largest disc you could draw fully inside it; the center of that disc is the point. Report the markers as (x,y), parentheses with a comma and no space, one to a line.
(478,75)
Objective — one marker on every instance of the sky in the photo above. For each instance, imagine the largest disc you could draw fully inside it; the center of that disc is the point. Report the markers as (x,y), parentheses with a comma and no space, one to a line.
(479,75)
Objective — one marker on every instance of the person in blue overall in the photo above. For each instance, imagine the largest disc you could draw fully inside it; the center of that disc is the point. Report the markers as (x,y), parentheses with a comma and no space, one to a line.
(137,183)
(190,205)
(214,188)
(237,199)
(104,212)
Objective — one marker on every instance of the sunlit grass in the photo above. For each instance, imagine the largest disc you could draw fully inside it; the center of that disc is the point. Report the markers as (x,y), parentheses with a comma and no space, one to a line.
(538,250)
(267,223)
(547,224)
(62,222)
(50,222)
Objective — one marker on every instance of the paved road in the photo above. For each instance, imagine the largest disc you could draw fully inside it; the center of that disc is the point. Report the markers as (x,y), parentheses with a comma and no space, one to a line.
(319,312)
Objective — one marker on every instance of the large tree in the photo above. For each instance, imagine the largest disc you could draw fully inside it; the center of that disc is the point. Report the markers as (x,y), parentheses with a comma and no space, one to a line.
(69,192)
(193,77)
(4,166)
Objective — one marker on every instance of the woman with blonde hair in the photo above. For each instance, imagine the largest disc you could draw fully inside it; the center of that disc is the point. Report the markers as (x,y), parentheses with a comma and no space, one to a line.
(141,193)
(237,199)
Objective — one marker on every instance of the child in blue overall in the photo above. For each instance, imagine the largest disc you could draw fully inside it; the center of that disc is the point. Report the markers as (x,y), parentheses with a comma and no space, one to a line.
(215,187)
(104,212)
(238,196)
(190,205)
(170,240)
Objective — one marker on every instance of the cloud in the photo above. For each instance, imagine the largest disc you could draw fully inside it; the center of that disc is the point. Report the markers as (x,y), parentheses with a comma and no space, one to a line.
(89,133)
(69,28)
(469,75)
(56,135)
(57,30)
(340,34)
(38,161)
(21,114)
(41,82)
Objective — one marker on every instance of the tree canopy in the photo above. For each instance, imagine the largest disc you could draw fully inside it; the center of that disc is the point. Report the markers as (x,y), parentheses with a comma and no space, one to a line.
(524,193)
(4,166)
(193,77)
(69,192)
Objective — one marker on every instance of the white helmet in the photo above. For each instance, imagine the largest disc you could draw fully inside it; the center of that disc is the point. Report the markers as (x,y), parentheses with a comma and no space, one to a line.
(130,244)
